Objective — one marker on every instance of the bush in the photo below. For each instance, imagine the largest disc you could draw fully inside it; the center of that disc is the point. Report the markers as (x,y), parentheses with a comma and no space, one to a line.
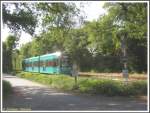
(7,89)
(135,88)
(57,81)
(108,87)
(90,85)
(87,85)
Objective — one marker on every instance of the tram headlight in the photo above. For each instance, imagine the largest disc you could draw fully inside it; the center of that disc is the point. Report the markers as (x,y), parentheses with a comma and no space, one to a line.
(58,53)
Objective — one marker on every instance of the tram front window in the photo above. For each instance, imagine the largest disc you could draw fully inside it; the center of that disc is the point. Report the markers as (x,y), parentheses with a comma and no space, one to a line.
(65,62)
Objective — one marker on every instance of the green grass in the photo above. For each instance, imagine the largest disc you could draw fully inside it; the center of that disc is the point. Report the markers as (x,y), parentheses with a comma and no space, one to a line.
(7,89)
(89,85)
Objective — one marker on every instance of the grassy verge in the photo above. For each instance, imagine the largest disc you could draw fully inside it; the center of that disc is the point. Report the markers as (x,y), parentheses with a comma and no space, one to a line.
(89,85)
(7,89)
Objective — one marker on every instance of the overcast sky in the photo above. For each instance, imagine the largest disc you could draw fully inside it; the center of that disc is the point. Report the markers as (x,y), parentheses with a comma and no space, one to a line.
(92,10)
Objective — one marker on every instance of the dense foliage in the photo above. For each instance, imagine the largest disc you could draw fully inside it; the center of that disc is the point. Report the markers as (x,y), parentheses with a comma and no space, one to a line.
(7,88)
(89,85)
(8,47)
(22,17)
(96,45)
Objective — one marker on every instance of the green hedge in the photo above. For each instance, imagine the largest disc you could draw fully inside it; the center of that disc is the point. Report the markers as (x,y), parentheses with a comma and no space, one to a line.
(7,88)
(90,85)
(101,63)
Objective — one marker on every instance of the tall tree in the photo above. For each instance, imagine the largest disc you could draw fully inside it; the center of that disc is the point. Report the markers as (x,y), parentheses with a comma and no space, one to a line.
(8,47)
(19,16)
(58,19)
(131,19)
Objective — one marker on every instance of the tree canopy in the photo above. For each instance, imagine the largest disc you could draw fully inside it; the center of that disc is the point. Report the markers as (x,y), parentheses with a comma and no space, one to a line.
(96,44)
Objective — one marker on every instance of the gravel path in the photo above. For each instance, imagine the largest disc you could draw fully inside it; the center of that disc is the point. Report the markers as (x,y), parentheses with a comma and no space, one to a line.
(33,96)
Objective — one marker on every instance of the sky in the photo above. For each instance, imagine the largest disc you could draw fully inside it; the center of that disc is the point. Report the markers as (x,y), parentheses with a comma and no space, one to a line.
(92,9)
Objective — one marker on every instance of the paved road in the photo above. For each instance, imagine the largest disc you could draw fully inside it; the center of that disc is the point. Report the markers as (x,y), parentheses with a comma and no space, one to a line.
(32,96)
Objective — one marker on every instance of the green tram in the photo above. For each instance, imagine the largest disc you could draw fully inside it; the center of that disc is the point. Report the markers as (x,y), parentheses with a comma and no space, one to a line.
(54,63)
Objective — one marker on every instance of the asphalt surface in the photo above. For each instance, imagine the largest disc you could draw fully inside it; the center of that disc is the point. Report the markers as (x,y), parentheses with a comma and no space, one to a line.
(29,95)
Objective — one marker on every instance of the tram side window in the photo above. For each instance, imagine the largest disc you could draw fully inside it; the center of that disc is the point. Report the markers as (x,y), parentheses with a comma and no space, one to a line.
(55,63)
(29,64)
(44,65)
(37,64)
(41,63)
(32,63)
(51,63)
(47,63)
